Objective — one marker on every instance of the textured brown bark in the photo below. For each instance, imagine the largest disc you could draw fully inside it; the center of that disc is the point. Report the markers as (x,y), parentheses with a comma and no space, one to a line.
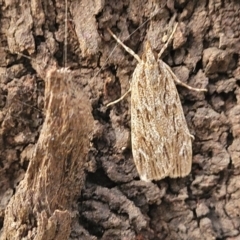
(45,198)
(44,205)
(114,203)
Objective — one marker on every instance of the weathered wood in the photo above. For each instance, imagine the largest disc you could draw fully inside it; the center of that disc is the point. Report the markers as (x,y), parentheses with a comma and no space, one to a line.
(43,204)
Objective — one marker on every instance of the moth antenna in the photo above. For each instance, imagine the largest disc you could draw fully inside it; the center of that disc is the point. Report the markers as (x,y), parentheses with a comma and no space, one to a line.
(65,37)
(153,15)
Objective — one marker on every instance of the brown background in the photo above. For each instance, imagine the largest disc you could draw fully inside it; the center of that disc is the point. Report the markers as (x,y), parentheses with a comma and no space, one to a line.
(50,139)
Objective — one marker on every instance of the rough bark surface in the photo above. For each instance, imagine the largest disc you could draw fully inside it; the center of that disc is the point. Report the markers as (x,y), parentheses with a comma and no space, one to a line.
(44,150)
(45,198)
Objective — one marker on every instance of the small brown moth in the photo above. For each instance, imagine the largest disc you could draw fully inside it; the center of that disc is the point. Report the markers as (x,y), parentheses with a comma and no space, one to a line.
(161,141)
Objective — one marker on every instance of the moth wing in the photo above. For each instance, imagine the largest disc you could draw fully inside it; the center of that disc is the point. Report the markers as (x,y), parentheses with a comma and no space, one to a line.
(161,142)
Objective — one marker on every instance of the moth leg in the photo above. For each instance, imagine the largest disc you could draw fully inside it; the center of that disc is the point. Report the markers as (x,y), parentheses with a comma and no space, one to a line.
(167,43)
(183,84)
(129,50)
(119,99)
(169,69)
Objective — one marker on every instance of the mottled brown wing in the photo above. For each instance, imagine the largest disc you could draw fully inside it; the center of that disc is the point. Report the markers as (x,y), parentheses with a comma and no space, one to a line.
(161,142)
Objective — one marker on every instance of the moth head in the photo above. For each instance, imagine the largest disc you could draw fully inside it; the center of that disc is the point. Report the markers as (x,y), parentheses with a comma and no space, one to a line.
(151,69)
(148,55)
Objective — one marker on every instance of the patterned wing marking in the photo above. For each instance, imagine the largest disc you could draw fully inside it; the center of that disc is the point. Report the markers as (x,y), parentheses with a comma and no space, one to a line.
(161,142)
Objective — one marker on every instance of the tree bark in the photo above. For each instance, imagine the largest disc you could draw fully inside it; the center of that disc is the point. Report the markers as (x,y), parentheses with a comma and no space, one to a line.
(44,204)
(45,152)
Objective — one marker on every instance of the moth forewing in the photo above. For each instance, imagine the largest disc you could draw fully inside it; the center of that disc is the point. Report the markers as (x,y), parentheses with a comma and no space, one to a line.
(161,142)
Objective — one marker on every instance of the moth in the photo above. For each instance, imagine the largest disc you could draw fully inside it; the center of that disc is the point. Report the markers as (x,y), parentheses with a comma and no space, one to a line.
(161,141)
